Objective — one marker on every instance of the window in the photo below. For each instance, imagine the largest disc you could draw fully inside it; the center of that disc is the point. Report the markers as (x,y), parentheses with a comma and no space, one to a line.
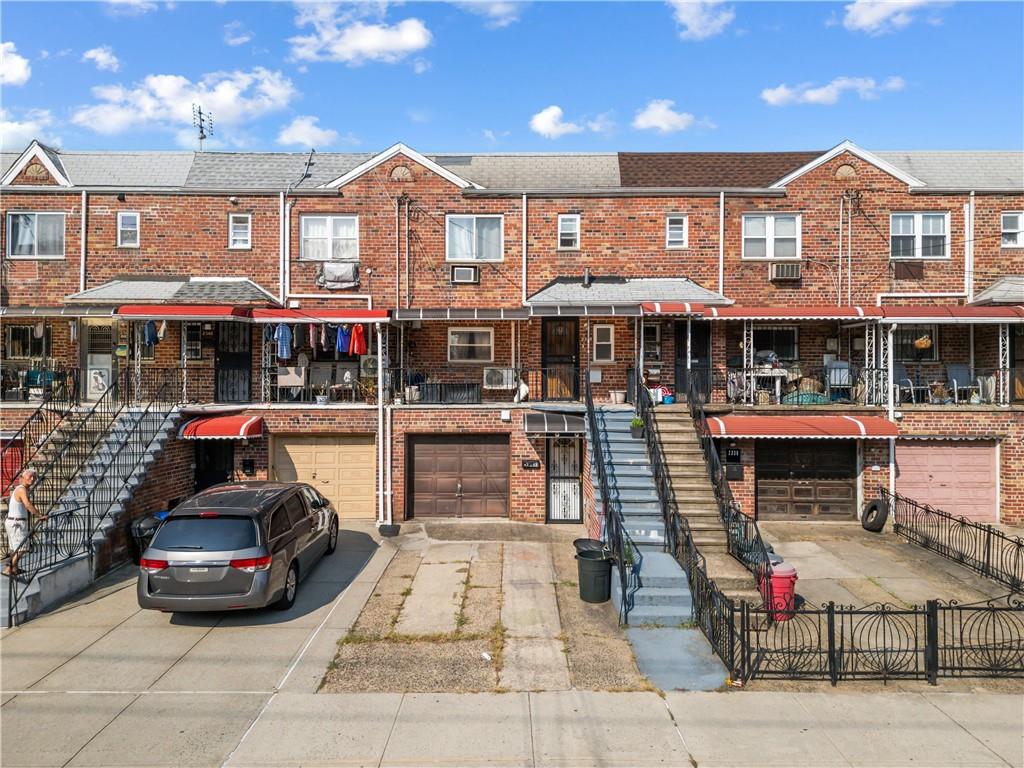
(652,342)
(475,238)
(240,230)
(919,236)
(23,344)
(127,230)
(568,231)
(903,339)
(782,340)
(35,235)
(330,238)
(146,351)
(279,523)
(676,231)
(1013,229)
(296,512)
(604,343)
(213,534)
(470,345)
(771,236)
(192,341)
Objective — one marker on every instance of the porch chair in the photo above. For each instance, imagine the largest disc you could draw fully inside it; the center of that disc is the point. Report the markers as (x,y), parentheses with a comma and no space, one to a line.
(346,379)
(903,383)
(959,380)
(291,381)
(839,380)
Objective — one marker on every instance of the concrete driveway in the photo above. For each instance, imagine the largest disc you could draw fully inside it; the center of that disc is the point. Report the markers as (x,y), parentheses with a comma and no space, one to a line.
(101,682)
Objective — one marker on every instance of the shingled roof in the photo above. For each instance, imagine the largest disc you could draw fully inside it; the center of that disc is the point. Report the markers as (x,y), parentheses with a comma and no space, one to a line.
(709,169)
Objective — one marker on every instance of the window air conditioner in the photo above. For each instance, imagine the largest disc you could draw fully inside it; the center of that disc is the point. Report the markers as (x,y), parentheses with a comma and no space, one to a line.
(499,378)
(465,274)
(784,270)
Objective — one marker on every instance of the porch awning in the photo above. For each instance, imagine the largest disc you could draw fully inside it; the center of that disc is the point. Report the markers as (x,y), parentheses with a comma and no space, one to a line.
(182,312)
(586,310)
(80,311)
(803,427)
(461,314)
(236,427)
(953,314)
(672,308)
(810,312)
(319,315)
(553,424)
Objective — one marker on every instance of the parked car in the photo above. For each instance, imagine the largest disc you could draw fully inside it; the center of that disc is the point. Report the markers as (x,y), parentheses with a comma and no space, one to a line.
(237,545)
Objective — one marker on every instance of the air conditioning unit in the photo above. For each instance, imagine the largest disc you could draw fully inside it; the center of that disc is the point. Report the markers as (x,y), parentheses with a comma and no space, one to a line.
(465,274)
(784,270)
(499,378)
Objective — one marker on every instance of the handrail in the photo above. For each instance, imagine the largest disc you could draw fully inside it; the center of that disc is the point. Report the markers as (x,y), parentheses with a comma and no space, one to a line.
(659,467)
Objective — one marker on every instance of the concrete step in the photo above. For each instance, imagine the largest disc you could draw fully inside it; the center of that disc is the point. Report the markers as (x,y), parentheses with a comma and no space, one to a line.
(660,569)
(659,615)
(662,596)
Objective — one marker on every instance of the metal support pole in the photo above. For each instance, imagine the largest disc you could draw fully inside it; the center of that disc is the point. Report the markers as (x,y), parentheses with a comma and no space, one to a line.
(1003,375)
(748,361)
(890,395)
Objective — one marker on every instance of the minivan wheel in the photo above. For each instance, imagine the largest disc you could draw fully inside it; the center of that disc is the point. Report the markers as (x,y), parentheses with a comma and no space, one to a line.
(291,588)
(332,538)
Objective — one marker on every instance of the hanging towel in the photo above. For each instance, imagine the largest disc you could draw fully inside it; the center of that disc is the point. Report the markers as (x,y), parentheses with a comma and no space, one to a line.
(162,330)
(312,336)
(323,336)
(38,330)
(283,337)
(357,346)
(149,337)
(300,335)
(344,339)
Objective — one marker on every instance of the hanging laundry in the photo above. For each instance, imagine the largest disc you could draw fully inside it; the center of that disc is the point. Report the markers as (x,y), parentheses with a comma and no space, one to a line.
(312,336)
(38,330)
(162,330)
(323,336)
(300,336)
(73,331)
(357,346)
(149,337)
(283,337)
(268,333)
(344,339)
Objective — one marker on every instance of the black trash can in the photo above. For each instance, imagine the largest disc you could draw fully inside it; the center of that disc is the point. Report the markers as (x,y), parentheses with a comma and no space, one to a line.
(142,531)
(595,576)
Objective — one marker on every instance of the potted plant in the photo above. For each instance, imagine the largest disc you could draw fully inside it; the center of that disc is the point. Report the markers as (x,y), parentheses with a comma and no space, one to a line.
(636,428)
(321,394)
(368,388)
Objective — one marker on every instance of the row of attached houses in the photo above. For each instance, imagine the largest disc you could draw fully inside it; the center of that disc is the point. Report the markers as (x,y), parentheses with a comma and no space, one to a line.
(416,334)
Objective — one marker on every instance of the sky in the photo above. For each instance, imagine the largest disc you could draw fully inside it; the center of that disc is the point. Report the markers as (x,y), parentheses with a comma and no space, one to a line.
(507,76)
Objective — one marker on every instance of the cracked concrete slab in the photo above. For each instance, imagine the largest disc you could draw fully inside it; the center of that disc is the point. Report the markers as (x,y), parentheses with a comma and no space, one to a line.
(534,664)
(433,605)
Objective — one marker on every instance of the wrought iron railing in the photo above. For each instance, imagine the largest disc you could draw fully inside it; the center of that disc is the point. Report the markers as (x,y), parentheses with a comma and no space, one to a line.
(956,384)
(470,384)
(659,467)
(794,384)
(982,548)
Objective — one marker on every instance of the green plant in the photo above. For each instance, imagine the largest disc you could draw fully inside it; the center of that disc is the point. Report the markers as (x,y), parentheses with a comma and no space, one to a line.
(637,422)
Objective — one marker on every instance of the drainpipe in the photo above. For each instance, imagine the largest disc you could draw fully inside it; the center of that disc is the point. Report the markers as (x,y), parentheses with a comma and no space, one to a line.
(524,249)
(889,399)
(381,437)
(82,239)
(408,283)
(849,255)
(282,257)
(398,258)
(721,243)
(839,293)
(969,251)
(390,488)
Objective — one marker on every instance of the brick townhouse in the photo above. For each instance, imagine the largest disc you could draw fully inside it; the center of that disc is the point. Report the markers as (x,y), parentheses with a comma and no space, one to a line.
(854,319)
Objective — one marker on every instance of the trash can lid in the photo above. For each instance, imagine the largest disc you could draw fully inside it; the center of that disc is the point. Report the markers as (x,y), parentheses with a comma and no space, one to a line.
(783,569)
(592,554)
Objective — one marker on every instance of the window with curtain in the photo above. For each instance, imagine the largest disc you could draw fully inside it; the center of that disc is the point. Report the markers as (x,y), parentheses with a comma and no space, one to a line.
(330,238)
(23,344)
(470,345)
(475,238)
(782,340)
(904,349)
(35,235)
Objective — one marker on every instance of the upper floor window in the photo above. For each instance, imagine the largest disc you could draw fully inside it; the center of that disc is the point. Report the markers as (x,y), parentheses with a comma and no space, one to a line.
(604,343)
(676,231)
(27,342)
(470,345)
(771,236)
(127,229)
(919,236)
(568,231)
(330,238)
(35,235)
(475,238)
(240,230)
(1013,229)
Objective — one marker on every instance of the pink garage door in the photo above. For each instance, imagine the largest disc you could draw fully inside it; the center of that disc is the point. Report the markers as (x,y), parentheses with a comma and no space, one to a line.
(958,477)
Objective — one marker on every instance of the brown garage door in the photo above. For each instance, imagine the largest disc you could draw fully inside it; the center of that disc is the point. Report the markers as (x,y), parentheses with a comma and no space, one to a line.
(806,478)
(342,467)
(955,476)
(459,476)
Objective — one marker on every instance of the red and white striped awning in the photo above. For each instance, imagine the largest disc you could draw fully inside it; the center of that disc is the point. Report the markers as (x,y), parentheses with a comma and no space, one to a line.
(806,312)
(802,427)
(672,308)
(234,427)
(317,315)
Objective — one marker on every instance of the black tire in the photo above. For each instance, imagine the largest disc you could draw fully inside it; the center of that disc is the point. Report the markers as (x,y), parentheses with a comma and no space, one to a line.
(875,515)
(291,589)
(332,538)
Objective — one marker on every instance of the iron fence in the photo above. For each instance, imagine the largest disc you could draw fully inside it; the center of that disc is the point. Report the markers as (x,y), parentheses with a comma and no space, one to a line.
(982,548)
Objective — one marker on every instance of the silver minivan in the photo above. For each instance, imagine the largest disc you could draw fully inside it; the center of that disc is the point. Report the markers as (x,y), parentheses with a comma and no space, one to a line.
(237,545)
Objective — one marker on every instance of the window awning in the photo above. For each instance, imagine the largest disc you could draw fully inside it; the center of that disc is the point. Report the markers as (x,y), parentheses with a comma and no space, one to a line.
(672,308)
(803,427)
(319,315)
(553,424)
(953,315)
(235,427)
(586,310)
(807,312)
(182,312)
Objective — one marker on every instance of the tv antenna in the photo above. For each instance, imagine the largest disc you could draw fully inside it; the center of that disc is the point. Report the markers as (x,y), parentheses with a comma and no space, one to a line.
(203,121)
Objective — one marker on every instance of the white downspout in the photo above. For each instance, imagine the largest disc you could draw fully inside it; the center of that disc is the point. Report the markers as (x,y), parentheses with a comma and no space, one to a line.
(398,256)
(82,239)
(390,488)
(839,297)
(381,437)
(969,250)
(287,248)
(721,243)
(282,254)
(892,465)
(849,255)
(524,250)
(889,375)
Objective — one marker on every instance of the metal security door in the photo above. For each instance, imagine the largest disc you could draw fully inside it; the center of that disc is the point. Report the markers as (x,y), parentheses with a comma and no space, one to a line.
(565,481)
(700,357)
(234,362)
(560,356)
(99,360)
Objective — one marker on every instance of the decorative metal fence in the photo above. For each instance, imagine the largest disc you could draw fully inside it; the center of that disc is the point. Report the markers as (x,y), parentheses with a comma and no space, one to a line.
(982,548)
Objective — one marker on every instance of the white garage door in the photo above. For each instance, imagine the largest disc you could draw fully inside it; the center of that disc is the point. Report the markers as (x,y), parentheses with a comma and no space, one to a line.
(342,467)
(958,477)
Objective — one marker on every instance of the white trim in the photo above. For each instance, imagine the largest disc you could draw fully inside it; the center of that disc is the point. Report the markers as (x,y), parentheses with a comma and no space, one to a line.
(455,329)
(138,229)
(474,216)
(919,234)
(36,256)
(769,235)
(686,231)
(248,219)
(34,151)
(853,149)
(558,234)
(858,422)
(1019,232)
(593,351)
(400,149)
(721,427)
(330,217)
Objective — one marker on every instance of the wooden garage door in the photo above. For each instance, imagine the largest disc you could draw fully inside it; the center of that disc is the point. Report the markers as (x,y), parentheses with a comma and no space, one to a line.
(955,476)
(342,467)
(459,476)
(806,478)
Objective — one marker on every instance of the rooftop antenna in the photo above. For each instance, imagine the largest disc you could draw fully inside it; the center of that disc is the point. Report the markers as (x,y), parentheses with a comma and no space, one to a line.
(203,121)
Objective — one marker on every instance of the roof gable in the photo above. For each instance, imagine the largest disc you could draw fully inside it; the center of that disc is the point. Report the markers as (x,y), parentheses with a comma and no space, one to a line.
(401,149)
(853,149)
(36,153)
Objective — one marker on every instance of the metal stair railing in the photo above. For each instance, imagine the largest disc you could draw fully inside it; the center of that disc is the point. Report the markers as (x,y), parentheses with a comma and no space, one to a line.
(659,467)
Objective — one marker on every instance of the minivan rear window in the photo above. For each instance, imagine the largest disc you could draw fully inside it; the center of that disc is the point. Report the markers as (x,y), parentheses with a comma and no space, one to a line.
(206,534)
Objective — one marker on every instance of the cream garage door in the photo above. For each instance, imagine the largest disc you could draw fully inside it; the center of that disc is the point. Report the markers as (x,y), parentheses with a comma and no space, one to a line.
(342,467)
(955,476)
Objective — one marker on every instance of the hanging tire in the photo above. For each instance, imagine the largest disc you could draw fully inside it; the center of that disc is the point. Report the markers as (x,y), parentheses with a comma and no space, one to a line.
(875,515)
(291,589)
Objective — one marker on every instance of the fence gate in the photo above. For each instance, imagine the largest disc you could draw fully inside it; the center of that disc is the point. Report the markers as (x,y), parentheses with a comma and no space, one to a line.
(565,481)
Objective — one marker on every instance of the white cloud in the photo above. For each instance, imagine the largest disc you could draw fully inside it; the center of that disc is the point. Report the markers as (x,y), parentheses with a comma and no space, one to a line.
(165,102)
(14,69)
(420,65)
(340,34)
(866,88)
(15,135)
(493,137)
(496,14)
(130,7)
(660,116)
(877,17)
(602,123)
(701,19)
(549,123)
(235,33)
(304,130)
(103,57)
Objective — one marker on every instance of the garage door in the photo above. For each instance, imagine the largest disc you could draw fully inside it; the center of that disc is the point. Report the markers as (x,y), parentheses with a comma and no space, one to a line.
(342,467)
(459,476)
(806,478)
(958,477)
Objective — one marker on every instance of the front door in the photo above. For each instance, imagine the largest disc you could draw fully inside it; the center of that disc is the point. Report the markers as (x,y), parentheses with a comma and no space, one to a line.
(560,358)
(233,363)
(99,359)
(215,462)
(700,357)
(565,481)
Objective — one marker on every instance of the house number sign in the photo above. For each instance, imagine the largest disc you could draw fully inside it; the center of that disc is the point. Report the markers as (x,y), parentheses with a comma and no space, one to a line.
(531,463)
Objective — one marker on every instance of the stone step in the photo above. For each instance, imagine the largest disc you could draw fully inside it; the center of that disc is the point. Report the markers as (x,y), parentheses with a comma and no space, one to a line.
(660,569)
(662,596)
(659,615)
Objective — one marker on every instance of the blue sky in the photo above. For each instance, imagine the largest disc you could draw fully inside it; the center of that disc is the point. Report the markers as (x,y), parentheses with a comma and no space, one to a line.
(493,76)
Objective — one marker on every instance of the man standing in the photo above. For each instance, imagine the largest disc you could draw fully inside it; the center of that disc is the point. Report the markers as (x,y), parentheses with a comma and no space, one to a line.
(17,523)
